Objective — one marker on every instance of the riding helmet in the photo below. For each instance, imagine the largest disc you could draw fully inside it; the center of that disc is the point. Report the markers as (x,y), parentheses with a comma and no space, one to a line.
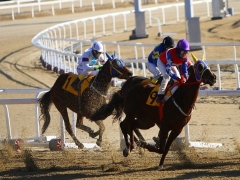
(168,42)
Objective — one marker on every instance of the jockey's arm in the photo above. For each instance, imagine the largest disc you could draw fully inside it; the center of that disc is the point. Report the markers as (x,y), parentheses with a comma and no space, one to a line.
(169,67)
(184,68)
(85,64)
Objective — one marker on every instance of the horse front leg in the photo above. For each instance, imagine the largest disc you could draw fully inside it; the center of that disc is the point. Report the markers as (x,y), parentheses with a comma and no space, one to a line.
(171,138)
(163,135)
(69,128)
(80,125)
(99,132)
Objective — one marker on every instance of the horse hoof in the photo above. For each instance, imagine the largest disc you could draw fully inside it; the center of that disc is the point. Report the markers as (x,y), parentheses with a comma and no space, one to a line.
(143,144)
(160,167)
(125,152)
(81,146)
(99,143)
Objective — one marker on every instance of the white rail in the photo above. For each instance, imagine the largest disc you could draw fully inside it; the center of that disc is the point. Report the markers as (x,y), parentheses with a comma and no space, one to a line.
(17,5)
(59,42)
(5,102)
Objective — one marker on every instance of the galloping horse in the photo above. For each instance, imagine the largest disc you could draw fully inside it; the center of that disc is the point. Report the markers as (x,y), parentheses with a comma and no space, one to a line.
(176,110)
(93,97)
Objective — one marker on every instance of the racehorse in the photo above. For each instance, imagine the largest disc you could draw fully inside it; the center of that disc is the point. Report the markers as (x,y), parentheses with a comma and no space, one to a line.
(176,110)
(63,97)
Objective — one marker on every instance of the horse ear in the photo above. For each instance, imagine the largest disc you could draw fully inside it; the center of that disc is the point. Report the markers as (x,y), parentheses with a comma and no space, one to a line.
(194,57)
(108,56)
(203,57)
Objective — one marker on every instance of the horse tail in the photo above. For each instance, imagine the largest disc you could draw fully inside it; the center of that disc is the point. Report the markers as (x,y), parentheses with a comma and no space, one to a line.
(45,103)
(116,103)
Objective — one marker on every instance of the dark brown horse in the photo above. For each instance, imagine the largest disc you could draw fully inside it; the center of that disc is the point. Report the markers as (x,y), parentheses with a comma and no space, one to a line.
(92,98)
(176,110)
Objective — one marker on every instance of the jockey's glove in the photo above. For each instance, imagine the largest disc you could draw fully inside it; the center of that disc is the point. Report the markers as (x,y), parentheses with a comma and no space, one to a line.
(181,80)
(98,67)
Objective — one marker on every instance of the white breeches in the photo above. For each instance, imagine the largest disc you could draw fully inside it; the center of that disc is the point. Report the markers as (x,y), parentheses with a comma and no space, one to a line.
(166,77)
(153,69)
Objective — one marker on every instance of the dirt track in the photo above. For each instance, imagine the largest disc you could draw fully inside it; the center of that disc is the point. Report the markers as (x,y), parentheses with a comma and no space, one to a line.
(215,120)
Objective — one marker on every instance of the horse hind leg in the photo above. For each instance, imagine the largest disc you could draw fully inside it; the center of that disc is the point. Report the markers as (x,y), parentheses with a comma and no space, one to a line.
(124,128)
(87,129)
(69,128)
(99,132)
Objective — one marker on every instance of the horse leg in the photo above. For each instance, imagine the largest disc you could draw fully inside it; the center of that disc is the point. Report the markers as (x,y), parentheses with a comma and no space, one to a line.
(132,138)
(164,129)
(69,127)
(139,135)
(99,132)
(80,125)
(171,138)
(124,128)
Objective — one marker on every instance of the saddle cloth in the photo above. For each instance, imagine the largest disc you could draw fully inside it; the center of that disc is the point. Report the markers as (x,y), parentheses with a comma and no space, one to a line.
(151,101)
(71,78)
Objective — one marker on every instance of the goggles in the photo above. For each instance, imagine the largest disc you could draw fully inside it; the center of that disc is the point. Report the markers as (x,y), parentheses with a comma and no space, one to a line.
(96,53)
(183,53)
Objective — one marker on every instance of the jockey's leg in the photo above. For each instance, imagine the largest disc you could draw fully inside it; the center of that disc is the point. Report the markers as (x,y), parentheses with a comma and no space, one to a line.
(166,78)
(77,81)
(155,71)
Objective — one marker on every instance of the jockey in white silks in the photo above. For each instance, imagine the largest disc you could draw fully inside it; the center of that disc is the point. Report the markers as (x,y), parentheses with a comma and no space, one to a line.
(90,62)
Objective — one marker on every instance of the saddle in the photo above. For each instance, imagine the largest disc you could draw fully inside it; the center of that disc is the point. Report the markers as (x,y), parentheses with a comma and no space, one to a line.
(71,79)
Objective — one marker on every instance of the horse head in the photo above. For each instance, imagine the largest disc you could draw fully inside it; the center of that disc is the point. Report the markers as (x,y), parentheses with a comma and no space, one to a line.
(203,72)
(117,67)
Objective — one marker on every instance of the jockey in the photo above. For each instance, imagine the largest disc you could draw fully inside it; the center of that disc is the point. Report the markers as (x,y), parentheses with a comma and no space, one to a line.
(168,62)
(88,63)
(167,43)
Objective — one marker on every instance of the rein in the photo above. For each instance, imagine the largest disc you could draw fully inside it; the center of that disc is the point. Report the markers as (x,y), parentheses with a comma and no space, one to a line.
(191,83)
(180,108)
(91,86)
(174,102)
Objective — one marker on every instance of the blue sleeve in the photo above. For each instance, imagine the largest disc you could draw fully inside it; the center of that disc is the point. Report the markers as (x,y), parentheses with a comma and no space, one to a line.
(161,48)
(169,67)
(184,68)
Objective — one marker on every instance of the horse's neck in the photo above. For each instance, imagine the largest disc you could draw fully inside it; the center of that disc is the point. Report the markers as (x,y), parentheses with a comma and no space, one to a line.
(101,82)
(188,92)
(186,97)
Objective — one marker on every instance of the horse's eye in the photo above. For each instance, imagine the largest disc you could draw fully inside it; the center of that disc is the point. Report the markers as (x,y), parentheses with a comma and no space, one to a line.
(117,64)
(200,68)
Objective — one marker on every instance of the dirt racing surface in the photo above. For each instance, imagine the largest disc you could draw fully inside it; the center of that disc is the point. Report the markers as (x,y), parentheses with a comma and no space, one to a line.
(215,119)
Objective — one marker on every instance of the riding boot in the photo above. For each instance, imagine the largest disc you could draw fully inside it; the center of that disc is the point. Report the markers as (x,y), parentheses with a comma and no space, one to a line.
(75,84)
(160,98)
